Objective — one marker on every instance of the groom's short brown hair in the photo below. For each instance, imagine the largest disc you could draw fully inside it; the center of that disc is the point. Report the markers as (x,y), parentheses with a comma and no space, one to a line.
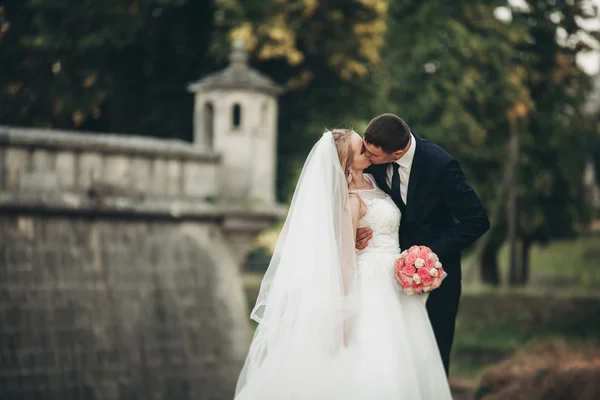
(388,132)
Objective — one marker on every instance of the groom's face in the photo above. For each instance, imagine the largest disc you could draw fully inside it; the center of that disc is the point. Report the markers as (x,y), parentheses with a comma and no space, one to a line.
(377,156)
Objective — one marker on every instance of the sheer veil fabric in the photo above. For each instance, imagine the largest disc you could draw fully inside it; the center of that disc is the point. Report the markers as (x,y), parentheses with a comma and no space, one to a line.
(307,296)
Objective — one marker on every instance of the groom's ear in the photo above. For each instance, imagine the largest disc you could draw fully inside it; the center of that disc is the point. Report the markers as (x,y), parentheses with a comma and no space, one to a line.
(397,154)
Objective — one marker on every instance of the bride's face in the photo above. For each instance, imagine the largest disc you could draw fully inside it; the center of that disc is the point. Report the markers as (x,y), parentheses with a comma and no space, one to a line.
(361,161)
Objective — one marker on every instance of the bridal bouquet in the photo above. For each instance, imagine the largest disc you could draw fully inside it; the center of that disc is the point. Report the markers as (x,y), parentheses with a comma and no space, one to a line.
(419,270)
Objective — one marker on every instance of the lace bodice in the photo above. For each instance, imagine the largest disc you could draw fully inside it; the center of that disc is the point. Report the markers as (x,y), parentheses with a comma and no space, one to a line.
(383,217)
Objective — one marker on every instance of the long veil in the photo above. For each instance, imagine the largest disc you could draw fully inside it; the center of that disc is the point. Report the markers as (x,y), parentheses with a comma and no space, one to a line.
(306,297)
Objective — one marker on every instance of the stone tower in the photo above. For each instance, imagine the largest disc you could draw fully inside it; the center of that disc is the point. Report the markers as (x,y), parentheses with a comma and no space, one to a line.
(235,115)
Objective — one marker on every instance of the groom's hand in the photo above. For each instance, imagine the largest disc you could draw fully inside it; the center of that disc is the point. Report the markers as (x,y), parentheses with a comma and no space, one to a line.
(363,235)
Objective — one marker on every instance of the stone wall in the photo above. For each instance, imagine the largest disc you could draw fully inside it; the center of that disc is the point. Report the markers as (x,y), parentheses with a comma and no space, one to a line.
(119,271)
(51,160)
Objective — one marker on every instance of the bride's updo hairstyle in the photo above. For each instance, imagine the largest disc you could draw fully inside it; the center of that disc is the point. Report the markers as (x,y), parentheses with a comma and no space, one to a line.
(341,138)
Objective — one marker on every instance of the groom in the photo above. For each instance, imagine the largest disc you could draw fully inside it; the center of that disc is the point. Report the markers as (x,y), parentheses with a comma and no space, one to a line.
(430,189)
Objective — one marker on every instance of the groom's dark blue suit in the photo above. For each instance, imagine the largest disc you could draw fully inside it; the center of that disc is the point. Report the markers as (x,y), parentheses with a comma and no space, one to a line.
(438,193)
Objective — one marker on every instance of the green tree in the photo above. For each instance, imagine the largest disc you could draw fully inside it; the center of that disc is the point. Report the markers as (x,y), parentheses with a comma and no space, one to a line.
(321,51)
(468,80)
(117,66)
(453,72)
(551,192)
(24,74)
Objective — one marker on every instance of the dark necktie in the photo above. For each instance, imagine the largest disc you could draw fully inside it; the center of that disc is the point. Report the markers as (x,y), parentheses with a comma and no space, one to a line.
(396,187)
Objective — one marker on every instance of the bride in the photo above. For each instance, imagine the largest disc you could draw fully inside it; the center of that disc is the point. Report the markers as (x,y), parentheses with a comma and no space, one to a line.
(333,324)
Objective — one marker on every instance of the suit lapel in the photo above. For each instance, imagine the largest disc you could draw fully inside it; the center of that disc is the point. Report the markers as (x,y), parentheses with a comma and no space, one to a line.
(415,173)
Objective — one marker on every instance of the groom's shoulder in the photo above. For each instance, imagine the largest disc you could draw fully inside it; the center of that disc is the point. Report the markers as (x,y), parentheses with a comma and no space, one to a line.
(436,152)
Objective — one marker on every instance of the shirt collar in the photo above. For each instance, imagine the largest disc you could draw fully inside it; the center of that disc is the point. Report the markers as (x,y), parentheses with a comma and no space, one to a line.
(406,160)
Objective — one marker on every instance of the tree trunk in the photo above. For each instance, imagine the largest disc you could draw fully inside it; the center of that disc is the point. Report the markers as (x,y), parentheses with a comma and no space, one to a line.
(490,272)
(511,208)
(525,260)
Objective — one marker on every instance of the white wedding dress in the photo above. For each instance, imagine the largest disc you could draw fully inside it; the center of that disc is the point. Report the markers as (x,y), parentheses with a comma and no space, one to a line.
(392,350)
(298,352)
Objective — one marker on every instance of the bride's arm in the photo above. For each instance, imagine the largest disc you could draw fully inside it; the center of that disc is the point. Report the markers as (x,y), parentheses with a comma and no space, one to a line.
(357,209)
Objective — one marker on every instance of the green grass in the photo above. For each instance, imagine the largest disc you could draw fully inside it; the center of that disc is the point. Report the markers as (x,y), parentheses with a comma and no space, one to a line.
(572,262)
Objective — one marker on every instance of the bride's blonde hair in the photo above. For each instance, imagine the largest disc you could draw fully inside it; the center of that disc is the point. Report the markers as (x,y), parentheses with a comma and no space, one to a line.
(341,138)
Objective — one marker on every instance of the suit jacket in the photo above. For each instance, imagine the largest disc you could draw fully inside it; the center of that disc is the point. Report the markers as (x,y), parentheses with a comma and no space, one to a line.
(438,193)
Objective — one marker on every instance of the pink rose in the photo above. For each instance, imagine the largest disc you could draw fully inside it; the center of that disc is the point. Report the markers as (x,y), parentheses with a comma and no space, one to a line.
(398,275)
(424,253)
(418,288)
(414,250)
(409,270)
(429,263)
(436,283)
(399,264)
(423,273)
(441,272)
(410,259)
(434,256)
(427,281)
(406,282)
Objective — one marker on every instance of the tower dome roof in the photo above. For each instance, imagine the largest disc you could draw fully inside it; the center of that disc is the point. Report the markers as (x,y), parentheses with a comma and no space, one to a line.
(237,75)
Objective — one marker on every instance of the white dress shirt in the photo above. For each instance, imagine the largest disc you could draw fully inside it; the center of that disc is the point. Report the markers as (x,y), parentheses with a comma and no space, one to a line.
(405,163)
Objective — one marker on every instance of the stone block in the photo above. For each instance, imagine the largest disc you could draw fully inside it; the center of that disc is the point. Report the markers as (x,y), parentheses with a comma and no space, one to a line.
(89,169)
(66,171)
(42,160)
(39,181)
(140,168)
(159,177)
(42,175)
(174,178)
(199,180)
(117,170)
(16,165)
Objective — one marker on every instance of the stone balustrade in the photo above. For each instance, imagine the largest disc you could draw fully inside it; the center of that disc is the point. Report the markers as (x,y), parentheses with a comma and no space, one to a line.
(49,160)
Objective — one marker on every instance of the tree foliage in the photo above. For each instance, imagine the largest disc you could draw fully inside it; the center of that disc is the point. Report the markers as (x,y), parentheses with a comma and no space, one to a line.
(111,65)
(450,71)
(321,51)
(345,37)
(551,190)
(466,79)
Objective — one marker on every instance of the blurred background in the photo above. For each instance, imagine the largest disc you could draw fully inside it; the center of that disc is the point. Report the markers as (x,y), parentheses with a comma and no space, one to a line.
(510,88)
